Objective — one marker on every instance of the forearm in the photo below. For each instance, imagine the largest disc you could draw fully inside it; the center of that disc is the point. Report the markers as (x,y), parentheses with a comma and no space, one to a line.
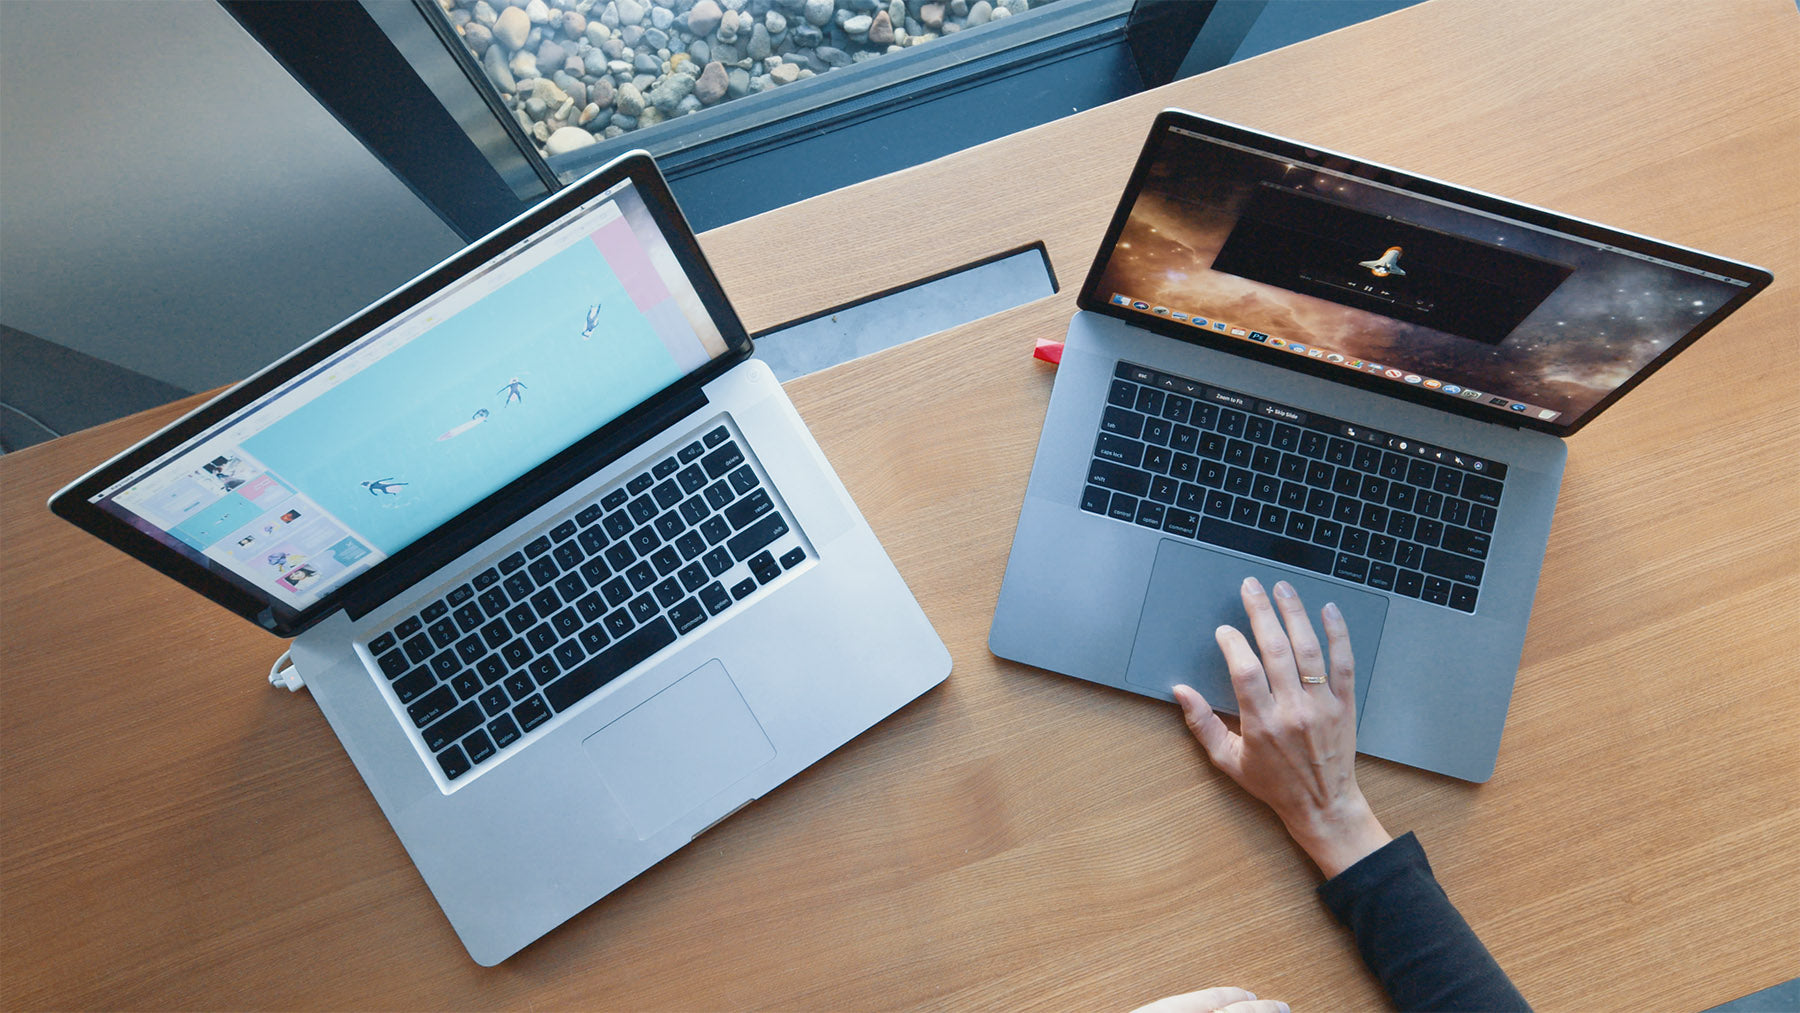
(1413,938)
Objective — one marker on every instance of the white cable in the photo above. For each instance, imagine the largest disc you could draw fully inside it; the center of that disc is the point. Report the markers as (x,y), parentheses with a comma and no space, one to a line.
(285,678)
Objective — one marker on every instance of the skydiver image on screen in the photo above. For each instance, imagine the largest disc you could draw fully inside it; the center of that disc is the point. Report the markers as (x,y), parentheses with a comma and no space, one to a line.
(1386,264)
(593,320)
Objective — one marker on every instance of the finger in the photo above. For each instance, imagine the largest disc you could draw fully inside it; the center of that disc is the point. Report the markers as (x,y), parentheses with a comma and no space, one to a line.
(1271,641)
(1247,678)
(1309,660)
(1221,745)
(1256,1006)
(1343,663)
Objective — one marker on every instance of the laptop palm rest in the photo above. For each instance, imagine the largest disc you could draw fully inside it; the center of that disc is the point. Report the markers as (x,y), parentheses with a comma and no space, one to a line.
(1194,590)
(679,748)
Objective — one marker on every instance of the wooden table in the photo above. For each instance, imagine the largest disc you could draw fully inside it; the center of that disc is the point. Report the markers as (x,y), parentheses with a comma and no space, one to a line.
(176,833)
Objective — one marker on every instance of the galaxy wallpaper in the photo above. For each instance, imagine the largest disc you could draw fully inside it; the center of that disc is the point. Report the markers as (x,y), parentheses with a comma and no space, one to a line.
(1610,317)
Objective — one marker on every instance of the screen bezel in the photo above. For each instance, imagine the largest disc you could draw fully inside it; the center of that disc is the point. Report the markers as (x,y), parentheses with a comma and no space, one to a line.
(1091,299)
(469,528)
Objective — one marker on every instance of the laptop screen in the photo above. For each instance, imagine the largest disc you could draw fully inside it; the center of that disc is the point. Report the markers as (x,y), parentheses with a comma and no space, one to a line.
(350,460)
(1453,298)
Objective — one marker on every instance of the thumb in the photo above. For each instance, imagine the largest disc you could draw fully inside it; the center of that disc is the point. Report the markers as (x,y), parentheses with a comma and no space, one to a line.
(1218,740)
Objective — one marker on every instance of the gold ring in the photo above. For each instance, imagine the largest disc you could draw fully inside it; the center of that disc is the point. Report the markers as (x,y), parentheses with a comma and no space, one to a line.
(1313,680)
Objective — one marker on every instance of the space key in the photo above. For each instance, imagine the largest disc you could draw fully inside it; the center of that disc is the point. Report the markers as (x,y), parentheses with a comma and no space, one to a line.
(602,668)
(1254,542)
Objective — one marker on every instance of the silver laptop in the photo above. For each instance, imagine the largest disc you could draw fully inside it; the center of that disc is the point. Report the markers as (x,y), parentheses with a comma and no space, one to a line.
(1294,364)
(567,575)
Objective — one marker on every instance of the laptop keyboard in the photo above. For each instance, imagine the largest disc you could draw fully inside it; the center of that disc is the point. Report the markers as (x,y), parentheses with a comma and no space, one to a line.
(644,563)
(1267,480)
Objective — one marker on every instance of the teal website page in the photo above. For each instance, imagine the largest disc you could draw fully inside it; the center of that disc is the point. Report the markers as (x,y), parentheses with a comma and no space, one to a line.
(440,409)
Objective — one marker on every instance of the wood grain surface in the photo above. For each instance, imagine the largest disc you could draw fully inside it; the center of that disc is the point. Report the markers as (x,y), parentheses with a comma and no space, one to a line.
(176,834)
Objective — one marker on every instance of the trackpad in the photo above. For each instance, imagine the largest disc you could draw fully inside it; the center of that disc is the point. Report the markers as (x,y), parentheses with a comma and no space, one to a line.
(679,748)
(1194,590)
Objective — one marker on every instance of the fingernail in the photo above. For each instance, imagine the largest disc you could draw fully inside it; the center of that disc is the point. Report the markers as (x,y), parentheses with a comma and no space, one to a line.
(1283,589)
(1331,611)
(1250,584)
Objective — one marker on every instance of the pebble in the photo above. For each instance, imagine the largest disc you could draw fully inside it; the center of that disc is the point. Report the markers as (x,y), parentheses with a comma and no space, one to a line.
(881,30)
(603,68)
(511,28)
(713,83)
(706,16)
(477,37)
(629,101)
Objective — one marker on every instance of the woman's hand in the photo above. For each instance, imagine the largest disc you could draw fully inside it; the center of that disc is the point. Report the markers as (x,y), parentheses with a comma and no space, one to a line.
(1215,1000)
(1296,749)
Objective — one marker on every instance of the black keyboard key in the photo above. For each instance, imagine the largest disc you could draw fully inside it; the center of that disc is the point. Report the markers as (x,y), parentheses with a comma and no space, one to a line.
(1121,422)
(1482,518)
(1410,583)
(1401,525)
(415,684)
(480,747)
(1218,503)
(568,555)
(640,576)
(537,546)
(1231,422)
(764,568)
(717,436)
(1175,407)
(1245,511)
(1409,555)
(668,591)
(1354,540)
(669,525)
(1340,452)
(1272,519)
(743,588)
(715,598)
(1266,488)
(719,560)
(1437,591)
(435,610)
(666,494)
(1366,458)
(546,602)
(638,484)
(1158,431)
(516,653)
(748,509)
(443,632)
(1481,490)
(1149,400)
(743,480)
(1462,597)
(1237,481)
(568,654)
(643,608)
(1450,566)
(1350,567)
(694,509)
(570,585)
(1118,448)
(531,713)
(691,452)
(691,479)
(591,607)
(722,460)
(1259,429)
(383,644)
(431,706)
(1185,523)
(1191,497)
(757,535)
(602,668)
(718,494)
(543,570)
(393,663)
(408,627)
(1327,533)
(466,685)
(486,579)
(1402,496)
(470,649)
(1374,489)
(592,639)
(617,524)
(1393,467)
(1185,439)
(1122,394)
(615,499)
(1299,526)
(1117,478)
(687,616)
(493,601)
(616,591)
(1265,545)
(504,731)
(589,514)
(1426,502)
(665,467)
(1448,481)
(493,701)
(445,664)
(1381,547)
(1456,511)
(543,670)
(640,510)
(519,586)
(491,669)
(1312,444)
(665,559)
(1466,542)
(521,618)
(619,622)
(453,763)
(1093,499)
(644,540)
(692,576)
(592,540)
(541,637)
(1157,460)
(1150,513)
(564,531)
(1382,576)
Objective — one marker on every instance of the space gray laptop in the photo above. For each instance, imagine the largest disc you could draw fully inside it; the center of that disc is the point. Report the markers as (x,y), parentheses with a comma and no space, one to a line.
(1293,364)
(568,576)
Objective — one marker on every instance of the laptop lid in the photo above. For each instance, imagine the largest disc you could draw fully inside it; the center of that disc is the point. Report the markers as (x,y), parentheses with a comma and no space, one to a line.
(403,437)
(1366,275)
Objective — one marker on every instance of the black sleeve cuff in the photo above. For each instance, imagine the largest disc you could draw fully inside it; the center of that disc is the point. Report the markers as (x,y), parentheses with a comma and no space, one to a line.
(1412,937)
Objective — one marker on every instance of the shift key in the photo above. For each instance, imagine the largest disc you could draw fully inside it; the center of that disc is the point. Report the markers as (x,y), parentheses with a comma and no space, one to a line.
(749,541)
